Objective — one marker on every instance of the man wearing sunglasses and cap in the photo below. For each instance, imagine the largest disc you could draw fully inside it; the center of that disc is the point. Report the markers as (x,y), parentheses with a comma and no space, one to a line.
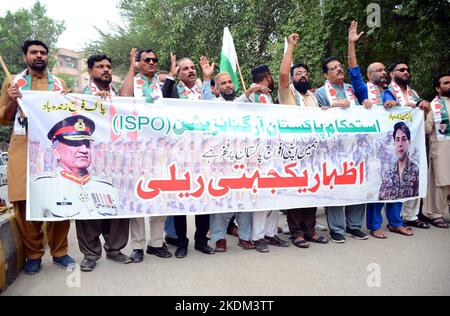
(70,191)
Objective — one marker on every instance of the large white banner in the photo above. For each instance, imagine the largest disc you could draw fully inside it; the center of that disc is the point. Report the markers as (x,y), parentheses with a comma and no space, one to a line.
(91,158)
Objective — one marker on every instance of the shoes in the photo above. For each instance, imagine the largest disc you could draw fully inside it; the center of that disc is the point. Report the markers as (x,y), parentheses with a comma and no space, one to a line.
(261,245)
(137,255)
(233,230)
(204,248)
(318,239)
(337,238)
(65,262)
(32,266)
(277,241)
(320,227)
(181,252)
(171,241)
(285,229)
(221,245)
(356,233)
(417,224)
(246,244)
(119,258)
(161,252)
(88,265)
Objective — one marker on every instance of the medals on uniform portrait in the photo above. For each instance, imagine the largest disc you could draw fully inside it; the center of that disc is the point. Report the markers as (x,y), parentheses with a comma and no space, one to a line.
(84,197)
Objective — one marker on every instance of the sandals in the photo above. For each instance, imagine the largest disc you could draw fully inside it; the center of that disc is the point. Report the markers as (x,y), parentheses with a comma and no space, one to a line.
(406,231)
(439,223)
(301,243)
(378,234)
(417,223)
(318,239)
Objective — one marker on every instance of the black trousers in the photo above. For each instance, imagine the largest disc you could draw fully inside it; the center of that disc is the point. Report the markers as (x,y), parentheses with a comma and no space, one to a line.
(201,225)
(114,231)
(302,222)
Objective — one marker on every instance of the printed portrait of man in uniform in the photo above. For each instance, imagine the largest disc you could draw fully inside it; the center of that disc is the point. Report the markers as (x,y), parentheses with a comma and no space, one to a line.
(402,179)
(444,128)
(70,191)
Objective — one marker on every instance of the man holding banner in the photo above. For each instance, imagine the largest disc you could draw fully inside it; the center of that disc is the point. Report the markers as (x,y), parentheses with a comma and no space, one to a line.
(115,231)
(295,91)
(373,93)
(35,77)
(264,223)
(187,89)
(437,126)
(336,93)
(145,84)
(400,74)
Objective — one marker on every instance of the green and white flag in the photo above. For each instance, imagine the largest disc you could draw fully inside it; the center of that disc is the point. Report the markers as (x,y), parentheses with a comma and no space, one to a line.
(228,57)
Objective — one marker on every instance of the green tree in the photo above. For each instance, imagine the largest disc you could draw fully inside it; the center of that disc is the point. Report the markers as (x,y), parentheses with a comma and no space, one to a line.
(16,27)
(410,29)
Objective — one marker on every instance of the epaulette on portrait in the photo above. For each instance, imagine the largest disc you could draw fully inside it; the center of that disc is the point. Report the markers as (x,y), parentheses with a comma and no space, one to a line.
(45,175)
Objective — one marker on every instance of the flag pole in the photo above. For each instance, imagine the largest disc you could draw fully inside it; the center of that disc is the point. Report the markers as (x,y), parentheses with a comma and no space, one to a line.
(5,69)
(10,78)
(242,78)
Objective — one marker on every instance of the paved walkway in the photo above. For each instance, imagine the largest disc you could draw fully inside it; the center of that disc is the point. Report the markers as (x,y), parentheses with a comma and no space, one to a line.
(418,265)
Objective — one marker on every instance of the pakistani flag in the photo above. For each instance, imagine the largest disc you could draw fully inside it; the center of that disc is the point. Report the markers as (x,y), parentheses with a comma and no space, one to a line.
(228,57)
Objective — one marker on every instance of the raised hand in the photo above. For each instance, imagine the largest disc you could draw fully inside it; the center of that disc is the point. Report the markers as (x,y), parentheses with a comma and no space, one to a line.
(207,69)
(173,65)
(133,56)
(353,35)
(293,39)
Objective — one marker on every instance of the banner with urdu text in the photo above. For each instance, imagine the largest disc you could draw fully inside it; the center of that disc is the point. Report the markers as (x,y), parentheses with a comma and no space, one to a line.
(117,158)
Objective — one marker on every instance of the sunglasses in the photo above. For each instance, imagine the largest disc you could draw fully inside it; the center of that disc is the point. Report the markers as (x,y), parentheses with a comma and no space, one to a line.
(149,59)
(403,70)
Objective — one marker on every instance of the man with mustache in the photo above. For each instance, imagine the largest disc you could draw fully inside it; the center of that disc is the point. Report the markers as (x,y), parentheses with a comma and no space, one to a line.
(295,91)
(35,77)
(373,93)
(376,90)
(336,93)
(145,84)
(436,203)
(77,194)
(264,223)
(187,89)
(400,74)
(115,231)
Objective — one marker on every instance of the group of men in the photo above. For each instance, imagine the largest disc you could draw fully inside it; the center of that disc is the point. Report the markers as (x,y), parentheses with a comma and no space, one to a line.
(71,139)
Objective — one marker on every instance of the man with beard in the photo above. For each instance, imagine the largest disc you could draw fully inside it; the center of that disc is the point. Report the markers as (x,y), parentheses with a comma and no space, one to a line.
(100,72)
(115,231)
(35,77)
(219,222)
(400,86)
(145,84)
(187,89)
(436,203)
(402,180)
(374,92)
(295,91)
(261,76)
(226,91)
(336,93)
(264,223)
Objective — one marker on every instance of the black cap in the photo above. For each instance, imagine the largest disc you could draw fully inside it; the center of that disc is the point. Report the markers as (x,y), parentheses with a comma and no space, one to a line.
(72,129)
(260,70)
